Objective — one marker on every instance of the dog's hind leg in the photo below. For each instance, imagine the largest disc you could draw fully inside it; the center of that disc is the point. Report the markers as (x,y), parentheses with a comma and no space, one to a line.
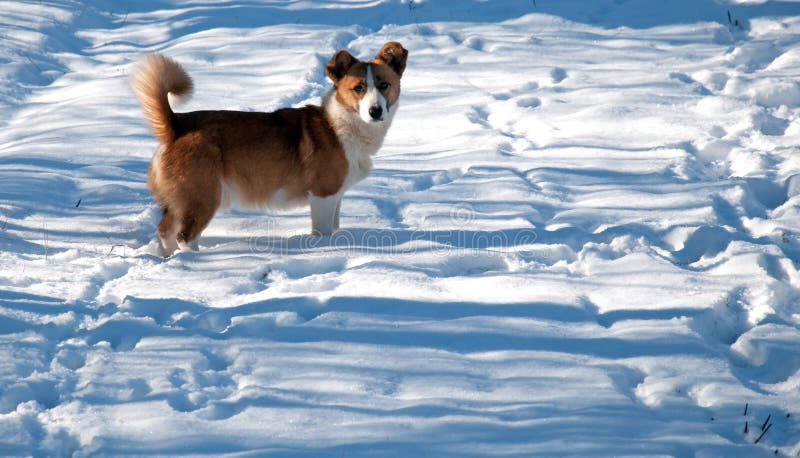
(192,222)
(167,232)
(198,196)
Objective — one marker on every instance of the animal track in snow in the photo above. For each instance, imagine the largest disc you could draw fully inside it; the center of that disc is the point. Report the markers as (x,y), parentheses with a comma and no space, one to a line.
(197,388)
(770,125)
(528,102)
(725,321)
(524,90)
(71,358)
(476,43)
(770,354)
(686,79)
(766,192)
(557,75)
(704,241)
(217,361)
(478,115)
(44,391)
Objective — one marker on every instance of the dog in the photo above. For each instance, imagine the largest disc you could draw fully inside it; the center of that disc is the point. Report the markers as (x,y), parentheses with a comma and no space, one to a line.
(289,157)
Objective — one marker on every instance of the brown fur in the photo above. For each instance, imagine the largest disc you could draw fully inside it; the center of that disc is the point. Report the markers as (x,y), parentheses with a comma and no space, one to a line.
(295,150)
(156,76)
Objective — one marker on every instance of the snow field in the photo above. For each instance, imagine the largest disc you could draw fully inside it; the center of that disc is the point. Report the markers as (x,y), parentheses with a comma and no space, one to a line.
(580,238)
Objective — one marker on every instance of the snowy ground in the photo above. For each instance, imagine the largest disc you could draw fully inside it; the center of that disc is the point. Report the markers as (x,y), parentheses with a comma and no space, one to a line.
(580,238)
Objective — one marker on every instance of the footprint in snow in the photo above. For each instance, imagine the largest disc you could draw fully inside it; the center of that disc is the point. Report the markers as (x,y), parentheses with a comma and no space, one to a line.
(196,389)
(215,361)
(558,75)
(45,392)
(697,87)
(71,358)
(479,115)
(529,102)
(475,43)
(525,89)
(718,132)
(472,41)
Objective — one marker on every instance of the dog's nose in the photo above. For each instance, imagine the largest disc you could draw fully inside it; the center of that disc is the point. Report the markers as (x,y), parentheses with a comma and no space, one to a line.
(376,112)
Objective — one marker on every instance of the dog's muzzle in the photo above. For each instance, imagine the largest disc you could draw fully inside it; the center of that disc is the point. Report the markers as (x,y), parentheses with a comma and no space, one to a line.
(376,112)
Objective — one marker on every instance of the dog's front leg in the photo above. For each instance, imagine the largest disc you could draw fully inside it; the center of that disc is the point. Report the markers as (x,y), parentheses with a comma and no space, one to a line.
(336,216)
(325,214)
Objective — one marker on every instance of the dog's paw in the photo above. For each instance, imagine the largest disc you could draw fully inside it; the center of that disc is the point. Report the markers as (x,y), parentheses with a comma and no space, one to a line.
(189,246)
(154,248)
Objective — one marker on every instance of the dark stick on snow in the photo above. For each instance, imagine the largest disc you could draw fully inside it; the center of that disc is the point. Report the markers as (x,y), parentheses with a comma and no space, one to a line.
(764,425)
(111,251)
(79,203)
(745,408)
(729,17)
(746,427)
(34,64)
(762,433)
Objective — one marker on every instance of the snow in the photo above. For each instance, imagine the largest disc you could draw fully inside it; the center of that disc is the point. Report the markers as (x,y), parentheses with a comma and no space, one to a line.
(579,239)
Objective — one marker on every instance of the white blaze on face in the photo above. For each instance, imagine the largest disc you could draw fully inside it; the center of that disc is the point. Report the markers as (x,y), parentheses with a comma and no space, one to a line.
(373,99)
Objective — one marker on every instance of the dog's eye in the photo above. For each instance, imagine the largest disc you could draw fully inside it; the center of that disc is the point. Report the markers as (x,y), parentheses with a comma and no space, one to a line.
(383,85)
(359,89)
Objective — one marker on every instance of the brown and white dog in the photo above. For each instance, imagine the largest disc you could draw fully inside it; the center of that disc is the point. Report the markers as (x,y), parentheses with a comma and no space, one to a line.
(293,156)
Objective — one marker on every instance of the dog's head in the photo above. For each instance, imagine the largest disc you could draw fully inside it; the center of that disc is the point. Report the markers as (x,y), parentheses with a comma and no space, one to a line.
(372,88)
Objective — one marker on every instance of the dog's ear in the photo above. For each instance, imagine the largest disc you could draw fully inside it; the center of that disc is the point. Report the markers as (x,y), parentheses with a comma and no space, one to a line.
(394,55)
(339,64)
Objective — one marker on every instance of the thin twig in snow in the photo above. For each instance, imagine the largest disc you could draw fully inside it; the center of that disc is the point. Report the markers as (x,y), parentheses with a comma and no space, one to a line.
(762,433)
(34,64)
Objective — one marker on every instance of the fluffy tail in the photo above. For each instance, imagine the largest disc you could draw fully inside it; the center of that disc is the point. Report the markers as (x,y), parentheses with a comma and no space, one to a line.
(153,78)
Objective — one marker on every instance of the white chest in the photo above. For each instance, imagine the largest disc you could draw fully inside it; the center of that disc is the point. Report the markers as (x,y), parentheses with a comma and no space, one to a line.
(360,140)
(359,161)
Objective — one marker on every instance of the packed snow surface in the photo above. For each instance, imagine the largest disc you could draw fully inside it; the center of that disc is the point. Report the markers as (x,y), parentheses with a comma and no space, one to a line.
(581,237)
